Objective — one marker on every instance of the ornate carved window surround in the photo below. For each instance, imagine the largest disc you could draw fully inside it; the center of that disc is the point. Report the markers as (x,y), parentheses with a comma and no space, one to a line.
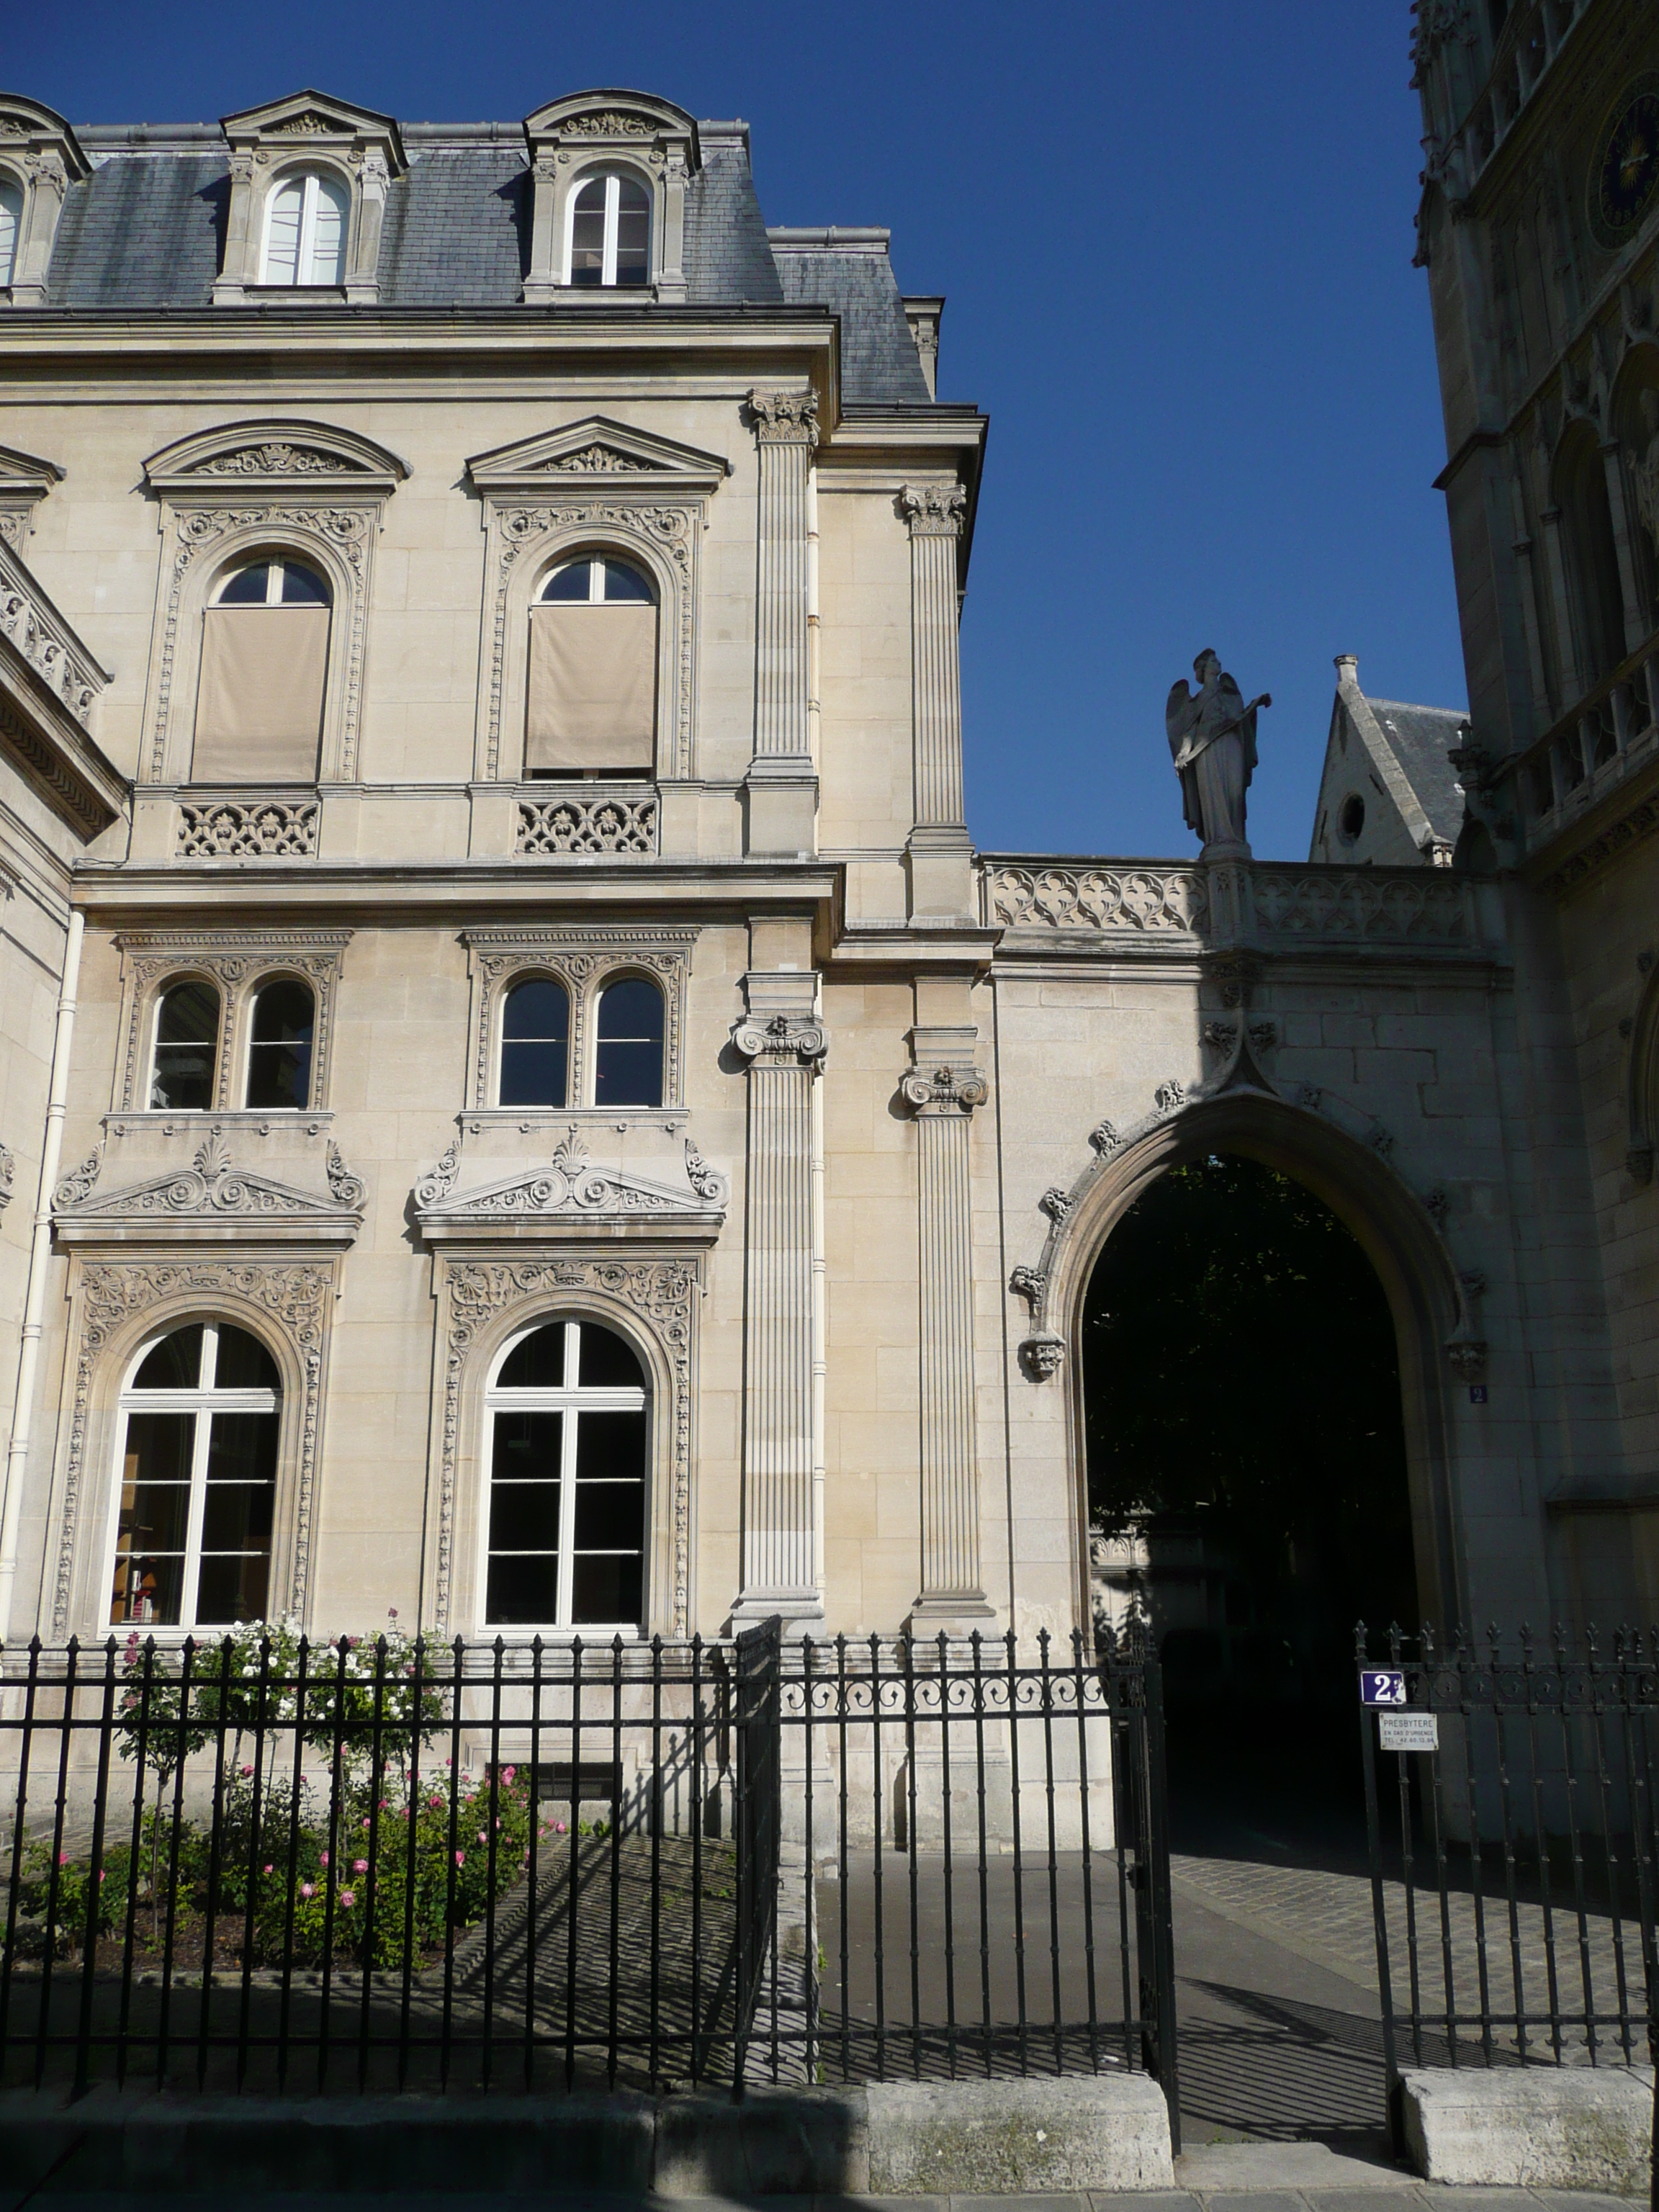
(584,960)
(237,961)
(115,1304)
(39,154)
(307,130)
(227,493)
(652,139)
(25,481)
(651,1300)
(595,482)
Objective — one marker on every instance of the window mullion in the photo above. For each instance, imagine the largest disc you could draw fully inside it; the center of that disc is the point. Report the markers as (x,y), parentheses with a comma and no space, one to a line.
(568,1429)
(613,189)
(274,584)
(308,231)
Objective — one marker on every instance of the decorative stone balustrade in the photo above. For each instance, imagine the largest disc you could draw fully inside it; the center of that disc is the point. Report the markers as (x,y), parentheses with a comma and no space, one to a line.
(247,829)
(599,822)
(55,655)
(1126,905)
(1612,731)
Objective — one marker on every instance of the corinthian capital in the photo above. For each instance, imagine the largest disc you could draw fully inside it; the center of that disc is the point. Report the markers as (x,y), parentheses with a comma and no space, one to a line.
(934,510)
(954,1091)
(785,418)
(785,1041)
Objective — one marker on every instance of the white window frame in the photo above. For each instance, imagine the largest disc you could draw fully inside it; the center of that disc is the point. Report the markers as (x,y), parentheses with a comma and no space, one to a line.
(19,191)
(203,1403)
(274,565)
(170,982)
(256,990)
(570,1401)
(608,981)
(613,180)
(311,180)
(595,564)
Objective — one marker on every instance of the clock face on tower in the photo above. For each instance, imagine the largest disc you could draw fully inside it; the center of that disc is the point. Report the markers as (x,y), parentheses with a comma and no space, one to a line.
(1624,180)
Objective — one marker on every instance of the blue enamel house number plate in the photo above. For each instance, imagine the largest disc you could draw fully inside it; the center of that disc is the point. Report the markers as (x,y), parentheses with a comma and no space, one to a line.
(1382,1685)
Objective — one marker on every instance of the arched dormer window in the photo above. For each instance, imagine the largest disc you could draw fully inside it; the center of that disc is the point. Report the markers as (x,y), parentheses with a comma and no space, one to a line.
(536,1044)
(279,1050)
(593,691)
(264,660)
(628,1056)
(185,1057)
(306,220)
(609,241)
(11,227)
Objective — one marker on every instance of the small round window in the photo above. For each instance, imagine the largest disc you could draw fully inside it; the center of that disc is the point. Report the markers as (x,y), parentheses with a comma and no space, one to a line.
(1351,817)
(279,581)
(597,580)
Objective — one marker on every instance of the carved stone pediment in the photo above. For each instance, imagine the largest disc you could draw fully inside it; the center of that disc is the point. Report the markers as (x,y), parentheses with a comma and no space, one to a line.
(275,453)
(313,118)
(599,447)
(610,117)
(211,1198)
(572,1196)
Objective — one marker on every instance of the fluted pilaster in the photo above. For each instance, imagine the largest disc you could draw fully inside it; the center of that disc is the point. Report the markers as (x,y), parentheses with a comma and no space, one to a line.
(786,431)
(952,1591)
(785,1050)
(935,514)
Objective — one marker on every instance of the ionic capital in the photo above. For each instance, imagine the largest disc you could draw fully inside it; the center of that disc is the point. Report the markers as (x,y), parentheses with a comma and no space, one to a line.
(785,418)
(785,1041)
(952,1090)
(934,510)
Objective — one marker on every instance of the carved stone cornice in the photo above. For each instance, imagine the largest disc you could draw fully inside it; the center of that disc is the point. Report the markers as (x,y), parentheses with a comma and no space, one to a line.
(785,1041)
(951,1091)
(49,682)
(934,510)
(785,418)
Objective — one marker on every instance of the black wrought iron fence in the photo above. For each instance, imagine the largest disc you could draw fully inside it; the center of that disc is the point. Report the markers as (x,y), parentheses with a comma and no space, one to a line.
(1510,1808)
(388,1864)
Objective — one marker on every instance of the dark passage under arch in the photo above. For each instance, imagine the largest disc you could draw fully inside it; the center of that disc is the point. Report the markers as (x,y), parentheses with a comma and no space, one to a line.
(1245,1444)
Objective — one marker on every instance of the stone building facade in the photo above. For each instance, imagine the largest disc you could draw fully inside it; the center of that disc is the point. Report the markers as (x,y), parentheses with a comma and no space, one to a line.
(522,1104)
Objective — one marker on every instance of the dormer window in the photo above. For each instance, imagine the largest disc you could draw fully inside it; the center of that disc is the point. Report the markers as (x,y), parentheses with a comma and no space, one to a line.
(11,227)
(306,223)
(39,160)
(609,231)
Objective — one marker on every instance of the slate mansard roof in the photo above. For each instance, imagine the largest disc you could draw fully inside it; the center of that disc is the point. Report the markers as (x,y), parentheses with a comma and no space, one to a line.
(144,233)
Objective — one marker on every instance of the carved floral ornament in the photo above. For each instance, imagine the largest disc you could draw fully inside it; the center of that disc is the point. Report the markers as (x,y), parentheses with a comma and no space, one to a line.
(571,1185)
(934,510)
(289,1298)
(785,418)
(212,1187)
(661,1296)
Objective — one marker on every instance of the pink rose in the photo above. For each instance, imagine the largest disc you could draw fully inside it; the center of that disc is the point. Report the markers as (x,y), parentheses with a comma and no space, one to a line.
(246,1771)
(325,1859)
(360,1866)
(307,1889)
(460,1858)
(483,1839)
(347,1897)
(508,1774)
(267,1869)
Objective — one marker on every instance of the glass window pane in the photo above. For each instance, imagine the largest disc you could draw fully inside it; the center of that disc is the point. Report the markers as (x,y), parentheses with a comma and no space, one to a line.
(539,1009)
(568,584)
(534,1074)
(174,1363)
(243,1363)
(624,581)
(148,1587)
(538,1364)
(590,197)
(523,1516)
(232,1587)
(632,198)
(186,1034)
(609,1444)
(248,587)
(522,1590)
(282,233)
(607,1362)
(527,1446)
(303,586)
(242,1450)
(279,1057)
(609,1516)
(11,220)
(587,235)
(154,1518)
(629,1072)
(607,1586)
(328,234)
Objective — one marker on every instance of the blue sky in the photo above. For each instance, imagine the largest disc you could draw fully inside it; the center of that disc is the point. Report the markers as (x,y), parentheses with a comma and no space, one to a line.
(1176,242)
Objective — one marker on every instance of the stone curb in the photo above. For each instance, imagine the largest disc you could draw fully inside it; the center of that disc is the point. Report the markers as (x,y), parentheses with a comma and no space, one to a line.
(1535,2128)
(1109,2133)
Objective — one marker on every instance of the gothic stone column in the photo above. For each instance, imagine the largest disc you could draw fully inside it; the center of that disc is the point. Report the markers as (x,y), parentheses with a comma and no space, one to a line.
(781,788)
(784,1043)
(952,1595)
(939,850)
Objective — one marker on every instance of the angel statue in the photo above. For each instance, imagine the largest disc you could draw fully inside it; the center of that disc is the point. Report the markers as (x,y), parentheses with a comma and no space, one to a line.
(1212,737)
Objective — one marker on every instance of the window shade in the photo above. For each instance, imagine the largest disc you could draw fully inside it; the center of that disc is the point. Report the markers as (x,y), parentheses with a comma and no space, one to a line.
(259,711)
(592,688)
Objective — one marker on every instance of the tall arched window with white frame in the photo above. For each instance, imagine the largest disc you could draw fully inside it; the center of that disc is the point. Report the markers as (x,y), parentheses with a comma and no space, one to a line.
(265,665)
(196,1491)
(592,688)
(609,234)
(306,218)
(565,1520)
(11,227)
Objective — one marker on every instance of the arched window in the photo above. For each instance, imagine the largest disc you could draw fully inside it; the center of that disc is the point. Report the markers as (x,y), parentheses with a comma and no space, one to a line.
(279,1051)
(593,689)
(1581,480)
(11,227)
(197,1489)
(264,656)
(609,231)
(628,1061)
(306,232)
(187,1048)
(536,1044)
(566,1520)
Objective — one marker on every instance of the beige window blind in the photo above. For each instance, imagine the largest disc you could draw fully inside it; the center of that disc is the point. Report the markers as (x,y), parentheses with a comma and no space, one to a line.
(592,688)
(259,710)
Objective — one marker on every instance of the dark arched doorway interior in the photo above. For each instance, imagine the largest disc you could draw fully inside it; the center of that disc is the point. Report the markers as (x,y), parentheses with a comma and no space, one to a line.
(1247,1469)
